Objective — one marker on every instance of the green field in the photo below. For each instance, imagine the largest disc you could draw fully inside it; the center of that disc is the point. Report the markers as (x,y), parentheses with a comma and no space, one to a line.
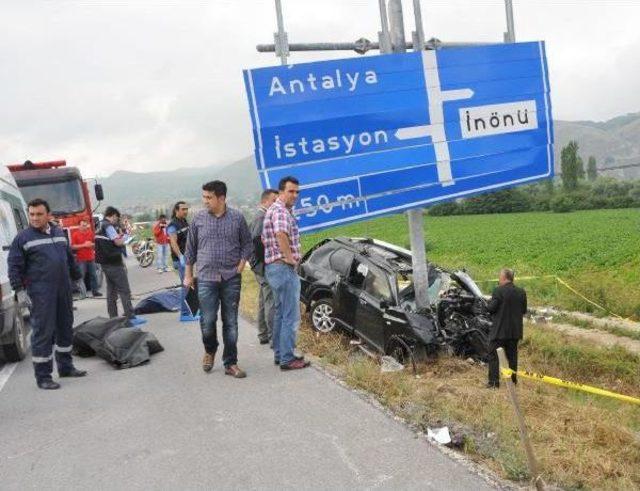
(597,252)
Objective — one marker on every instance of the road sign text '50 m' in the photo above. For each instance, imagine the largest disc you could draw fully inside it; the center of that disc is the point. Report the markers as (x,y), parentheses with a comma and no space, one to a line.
(382,134)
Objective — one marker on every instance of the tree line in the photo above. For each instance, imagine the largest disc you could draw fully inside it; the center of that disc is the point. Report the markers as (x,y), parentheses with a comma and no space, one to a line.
(576,188)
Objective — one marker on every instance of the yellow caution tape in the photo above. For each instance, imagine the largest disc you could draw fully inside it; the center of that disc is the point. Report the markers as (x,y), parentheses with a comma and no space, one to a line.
(568,287)
(507,372)
(521,278)
(571,289)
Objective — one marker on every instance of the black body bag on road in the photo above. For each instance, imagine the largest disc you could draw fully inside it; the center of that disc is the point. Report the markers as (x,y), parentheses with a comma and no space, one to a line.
(113,341)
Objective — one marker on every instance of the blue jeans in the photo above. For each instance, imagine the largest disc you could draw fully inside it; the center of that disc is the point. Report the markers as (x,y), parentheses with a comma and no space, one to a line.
(285,283)
(162,251)
(89,268)
(184,309)
(226,295)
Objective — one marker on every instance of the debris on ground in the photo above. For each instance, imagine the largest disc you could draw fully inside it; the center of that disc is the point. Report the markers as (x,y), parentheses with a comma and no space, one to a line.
(439,435)
(389,364)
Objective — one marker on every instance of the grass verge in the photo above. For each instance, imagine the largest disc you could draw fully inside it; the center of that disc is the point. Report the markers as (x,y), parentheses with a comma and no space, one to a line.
(581,441)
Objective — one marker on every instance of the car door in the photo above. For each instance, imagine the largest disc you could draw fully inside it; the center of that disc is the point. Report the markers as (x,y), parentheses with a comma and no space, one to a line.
(375,293)
(347,287)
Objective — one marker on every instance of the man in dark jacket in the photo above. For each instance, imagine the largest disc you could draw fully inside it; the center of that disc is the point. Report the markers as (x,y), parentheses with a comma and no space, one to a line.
(265,295)
(41,262)
(508,305)
(110,250)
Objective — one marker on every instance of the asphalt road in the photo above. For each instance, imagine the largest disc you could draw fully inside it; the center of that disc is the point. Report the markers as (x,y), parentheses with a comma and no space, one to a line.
(168,425)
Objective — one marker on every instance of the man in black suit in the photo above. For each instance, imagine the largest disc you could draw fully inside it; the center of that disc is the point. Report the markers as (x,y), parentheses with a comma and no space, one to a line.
(508,305)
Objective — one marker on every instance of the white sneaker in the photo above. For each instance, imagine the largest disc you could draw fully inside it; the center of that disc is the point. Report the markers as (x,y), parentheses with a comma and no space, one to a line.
(160,271)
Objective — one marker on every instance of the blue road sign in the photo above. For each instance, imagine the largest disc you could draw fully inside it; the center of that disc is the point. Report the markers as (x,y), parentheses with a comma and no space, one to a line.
(382,134)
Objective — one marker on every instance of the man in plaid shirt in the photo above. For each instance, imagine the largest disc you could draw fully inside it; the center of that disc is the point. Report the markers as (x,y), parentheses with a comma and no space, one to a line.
(281,240)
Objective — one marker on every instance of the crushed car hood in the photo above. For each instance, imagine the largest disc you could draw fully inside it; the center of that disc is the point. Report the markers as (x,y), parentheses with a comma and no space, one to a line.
(467,283)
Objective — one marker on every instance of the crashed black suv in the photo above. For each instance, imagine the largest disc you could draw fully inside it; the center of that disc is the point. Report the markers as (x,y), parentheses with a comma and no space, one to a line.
(365,287)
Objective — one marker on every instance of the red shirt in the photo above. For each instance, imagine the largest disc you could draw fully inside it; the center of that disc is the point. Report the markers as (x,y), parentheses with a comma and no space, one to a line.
(160,233)
(78,237)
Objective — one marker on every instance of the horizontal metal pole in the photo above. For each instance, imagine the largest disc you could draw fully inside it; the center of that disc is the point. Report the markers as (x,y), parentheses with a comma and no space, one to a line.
(431,44)
(270,48)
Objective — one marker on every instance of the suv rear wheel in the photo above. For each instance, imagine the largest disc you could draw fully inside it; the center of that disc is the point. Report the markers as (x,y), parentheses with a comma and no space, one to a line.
(16,350)
(321,313)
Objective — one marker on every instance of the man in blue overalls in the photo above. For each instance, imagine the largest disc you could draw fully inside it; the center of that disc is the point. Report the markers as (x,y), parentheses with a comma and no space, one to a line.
(41,262)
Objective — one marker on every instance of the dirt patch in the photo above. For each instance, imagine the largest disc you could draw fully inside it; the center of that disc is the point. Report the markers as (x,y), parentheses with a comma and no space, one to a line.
(596,336)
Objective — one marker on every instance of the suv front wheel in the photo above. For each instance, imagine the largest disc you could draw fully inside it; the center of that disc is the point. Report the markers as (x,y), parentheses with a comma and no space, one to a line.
(321,315)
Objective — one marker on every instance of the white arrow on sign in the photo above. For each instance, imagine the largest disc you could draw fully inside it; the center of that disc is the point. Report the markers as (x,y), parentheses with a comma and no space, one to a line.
(436,98)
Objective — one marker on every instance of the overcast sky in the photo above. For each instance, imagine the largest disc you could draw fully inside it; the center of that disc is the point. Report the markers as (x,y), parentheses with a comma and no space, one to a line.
(156,84)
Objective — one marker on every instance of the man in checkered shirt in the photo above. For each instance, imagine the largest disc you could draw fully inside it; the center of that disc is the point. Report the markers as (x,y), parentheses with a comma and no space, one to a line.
(281,240)
(219,245)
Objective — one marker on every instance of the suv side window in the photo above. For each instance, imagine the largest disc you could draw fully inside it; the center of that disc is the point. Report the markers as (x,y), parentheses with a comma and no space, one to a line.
(376,284)
(340,261)
(358,273)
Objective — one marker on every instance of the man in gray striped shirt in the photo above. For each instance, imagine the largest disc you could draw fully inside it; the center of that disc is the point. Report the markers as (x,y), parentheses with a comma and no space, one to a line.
(219,244)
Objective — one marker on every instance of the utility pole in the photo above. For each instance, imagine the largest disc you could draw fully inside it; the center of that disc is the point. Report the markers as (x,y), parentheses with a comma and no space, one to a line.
(415,217)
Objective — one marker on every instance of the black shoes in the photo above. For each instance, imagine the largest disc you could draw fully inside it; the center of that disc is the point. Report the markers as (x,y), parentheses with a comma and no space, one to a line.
(264,341)
(48,384)
(97,294)
(74,373)
(492,385)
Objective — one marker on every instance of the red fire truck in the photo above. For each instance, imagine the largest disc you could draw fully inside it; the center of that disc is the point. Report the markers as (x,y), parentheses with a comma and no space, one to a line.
(61,186)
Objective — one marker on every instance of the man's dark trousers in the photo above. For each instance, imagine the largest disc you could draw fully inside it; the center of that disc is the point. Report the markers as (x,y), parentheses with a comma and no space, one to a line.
(266,308)
(225,295)
(510,347)
(118,284)
(51,329)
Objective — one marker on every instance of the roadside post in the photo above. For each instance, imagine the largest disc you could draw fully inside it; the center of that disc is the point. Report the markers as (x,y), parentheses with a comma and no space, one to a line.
(522,427)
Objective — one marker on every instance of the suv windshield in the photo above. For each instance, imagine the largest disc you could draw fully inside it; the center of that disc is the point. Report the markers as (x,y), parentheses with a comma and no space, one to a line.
(63,197)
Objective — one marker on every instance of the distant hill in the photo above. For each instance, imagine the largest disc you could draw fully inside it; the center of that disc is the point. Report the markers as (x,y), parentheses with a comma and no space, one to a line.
(134,191)
(613,143)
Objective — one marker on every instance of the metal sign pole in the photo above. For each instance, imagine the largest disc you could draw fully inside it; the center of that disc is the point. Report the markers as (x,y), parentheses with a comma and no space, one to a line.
(280,38)
(383,35)
(416,219)
(510,35)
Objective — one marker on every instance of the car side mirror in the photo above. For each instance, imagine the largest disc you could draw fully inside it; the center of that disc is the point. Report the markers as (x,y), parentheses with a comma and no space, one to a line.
(99,192)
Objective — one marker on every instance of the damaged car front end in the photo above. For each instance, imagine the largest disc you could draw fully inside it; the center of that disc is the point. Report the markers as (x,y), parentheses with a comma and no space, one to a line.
(365,287)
